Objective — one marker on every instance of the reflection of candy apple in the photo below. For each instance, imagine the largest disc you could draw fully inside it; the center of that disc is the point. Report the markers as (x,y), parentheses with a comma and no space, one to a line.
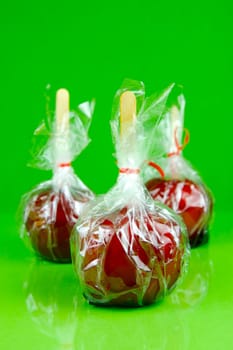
(195,285)
(187,199)
(130,258)
(50,217)
(51,300)
(158,321)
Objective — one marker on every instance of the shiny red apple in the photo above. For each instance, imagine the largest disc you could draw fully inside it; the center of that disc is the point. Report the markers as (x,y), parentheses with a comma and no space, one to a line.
(49,219)
(130,258)
(188,199)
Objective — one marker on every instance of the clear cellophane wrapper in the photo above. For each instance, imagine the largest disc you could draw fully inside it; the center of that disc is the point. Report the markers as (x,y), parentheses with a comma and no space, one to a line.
(51,209)
(128,250)
(182,188)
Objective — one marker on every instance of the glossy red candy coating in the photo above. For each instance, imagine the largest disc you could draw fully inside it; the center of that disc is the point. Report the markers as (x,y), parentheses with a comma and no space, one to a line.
(129,260)
(50,218)
(189,200)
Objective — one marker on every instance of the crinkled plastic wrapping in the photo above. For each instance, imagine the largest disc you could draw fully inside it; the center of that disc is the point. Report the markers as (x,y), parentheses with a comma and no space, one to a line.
(51,209)
(128,250)
(51,147)
(182,189)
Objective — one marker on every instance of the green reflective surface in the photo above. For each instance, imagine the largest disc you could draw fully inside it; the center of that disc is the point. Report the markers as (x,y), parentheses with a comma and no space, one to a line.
(41,305)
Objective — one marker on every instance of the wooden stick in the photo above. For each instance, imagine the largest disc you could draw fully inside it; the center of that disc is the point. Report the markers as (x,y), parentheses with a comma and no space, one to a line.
(62,144)
(175,134)
(127,112)
(176,129)
(62,110)
(175,116)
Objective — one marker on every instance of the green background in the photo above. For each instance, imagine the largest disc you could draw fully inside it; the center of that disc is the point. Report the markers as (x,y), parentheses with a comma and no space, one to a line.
(90,48)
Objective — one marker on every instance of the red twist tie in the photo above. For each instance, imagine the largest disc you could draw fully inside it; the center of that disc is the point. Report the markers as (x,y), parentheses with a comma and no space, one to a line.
(179,147)
(63,165)
(129,171)
(157,167)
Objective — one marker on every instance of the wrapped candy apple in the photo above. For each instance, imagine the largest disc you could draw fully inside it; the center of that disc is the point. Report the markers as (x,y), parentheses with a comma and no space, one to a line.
(52,208)
(182,189)
(128,250)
